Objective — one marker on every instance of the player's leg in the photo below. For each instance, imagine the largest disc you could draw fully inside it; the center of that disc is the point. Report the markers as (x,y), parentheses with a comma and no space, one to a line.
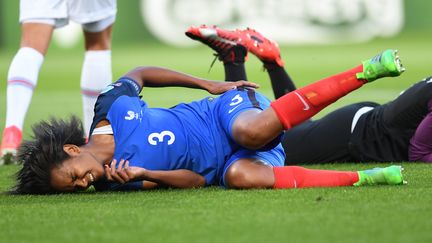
(268,52)
(222,41)
(250,173)
(228,49)
(324,140)
(96,70)
(253,128)
(280,80)
(21,81)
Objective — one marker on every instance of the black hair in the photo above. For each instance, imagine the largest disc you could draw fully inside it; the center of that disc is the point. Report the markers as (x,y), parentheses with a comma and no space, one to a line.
(45,151)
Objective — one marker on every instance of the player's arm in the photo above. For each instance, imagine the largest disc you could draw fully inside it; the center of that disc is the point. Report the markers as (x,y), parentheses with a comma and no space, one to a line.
(180,178)
(174,178)
(162,77)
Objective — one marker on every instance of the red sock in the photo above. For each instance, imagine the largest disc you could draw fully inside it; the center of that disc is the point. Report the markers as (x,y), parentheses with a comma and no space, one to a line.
(299,177)
(300,105)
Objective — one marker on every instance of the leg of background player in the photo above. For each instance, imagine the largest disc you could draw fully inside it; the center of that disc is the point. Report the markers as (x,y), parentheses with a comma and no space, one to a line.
(96,71)
(22,79)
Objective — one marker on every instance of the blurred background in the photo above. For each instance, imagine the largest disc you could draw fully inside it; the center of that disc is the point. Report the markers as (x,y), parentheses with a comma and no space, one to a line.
(317,38)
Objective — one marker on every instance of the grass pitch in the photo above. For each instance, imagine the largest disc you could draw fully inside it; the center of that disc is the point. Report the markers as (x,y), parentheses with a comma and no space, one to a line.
(367,214)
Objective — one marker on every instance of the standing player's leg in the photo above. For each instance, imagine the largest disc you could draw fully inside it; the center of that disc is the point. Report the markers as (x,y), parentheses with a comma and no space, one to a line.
(22,79)
(96,70)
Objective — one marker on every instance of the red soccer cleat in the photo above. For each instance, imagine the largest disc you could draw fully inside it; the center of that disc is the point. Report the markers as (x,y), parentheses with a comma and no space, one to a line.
(12,137)
(265,49)
(222,42)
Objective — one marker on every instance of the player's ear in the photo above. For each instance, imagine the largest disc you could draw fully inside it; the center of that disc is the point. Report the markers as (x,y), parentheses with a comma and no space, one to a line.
(71,149)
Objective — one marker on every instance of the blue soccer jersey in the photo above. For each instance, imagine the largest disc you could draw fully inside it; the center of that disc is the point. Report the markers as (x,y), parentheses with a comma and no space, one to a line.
(194,136)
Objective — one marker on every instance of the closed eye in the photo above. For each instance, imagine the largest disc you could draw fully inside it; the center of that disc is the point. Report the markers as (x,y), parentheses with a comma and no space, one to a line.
(73,177)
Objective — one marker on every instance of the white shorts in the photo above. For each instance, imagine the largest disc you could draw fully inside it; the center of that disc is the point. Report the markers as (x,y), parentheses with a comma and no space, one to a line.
(94,15)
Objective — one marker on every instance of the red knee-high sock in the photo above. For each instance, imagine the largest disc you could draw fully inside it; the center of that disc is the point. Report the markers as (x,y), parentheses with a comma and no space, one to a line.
(298,177)
(300,105)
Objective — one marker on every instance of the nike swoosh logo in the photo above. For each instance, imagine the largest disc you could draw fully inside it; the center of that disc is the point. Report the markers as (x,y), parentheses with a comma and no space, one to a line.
(306,106)
(231,110)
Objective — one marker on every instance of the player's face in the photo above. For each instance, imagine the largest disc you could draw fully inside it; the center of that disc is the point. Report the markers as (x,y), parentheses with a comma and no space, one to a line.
(76,173)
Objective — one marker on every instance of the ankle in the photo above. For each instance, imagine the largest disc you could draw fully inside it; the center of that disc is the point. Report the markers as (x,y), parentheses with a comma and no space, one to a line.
(237,54)
(271,65)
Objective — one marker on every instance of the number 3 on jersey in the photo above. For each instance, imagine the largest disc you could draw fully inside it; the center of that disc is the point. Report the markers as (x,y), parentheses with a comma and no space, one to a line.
(164,136)
(235,102)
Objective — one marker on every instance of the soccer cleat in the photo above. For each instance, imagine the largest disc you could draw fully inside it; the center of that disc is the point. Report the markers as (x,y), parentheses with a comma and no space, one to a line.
(265,49)
(222,41)
(12,137)
(391,175)
(385,64)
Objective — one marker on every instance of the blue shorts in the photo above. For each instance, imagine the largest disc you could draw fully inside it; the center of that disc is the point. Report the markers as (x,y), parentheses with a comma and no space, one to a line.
(230,105)
(234,102)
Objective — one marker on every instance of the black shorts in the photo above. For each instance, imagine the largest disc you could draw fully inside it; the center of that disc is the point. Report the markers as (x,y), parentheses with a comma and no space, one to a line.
(384,134)
(323,140)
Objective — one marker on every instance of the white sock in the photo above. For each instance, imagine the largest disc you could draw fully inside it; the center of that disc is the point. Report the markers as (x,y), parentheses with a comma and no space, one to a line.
(96,75)
(22,79)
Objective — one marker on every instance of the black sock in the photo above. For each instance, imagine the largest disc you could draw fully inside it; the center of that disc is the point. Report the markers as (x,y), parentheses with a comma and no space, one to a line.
(235,71)
(234,64)
(280,80)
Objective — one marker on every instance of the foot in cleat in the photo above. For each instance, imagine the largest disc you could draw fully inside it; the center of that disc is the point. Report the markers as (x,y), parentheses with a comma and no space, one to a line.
(391,175)
(220,40)
(12,137)
(265,49)
(385,64)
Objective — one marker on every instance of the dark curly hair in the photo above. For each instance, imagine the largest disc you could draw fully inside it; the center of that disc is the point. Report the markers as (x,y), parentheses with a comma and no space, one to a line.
(44,151)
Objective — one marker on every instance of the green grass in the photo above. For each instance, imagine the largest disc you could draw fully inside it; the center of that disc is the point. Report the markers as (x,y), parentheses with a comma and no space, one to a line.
(367,214)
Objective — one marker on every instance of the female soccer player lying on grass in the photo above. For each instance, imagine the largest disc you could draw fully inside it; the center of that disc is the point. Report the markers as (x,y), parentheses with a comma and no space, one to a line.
(400,130)
(232,140)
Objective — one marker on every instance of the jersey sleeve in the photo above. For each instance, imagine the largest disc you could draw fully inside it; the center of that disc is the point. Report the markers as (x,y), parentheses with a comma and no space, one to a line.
(123,86)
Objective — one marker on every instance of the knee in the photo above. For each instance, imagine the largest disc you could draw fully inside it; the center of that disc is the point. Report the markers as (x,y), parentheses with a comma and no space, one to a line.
(237,179)
(248,136)
(240,177)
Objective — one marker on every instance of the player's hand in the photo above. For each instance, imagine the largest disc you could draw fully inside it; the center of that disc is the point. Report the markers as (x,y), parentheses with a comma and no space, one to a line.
(123,173)
(218,87)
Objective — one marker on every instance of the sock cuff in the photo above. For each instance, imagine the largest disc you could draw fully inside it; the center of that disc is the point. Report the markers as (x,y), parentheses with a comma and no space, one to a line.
(278,107)
(99,55)
(31,53)
(284,177)
(96,72)
(25,66)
